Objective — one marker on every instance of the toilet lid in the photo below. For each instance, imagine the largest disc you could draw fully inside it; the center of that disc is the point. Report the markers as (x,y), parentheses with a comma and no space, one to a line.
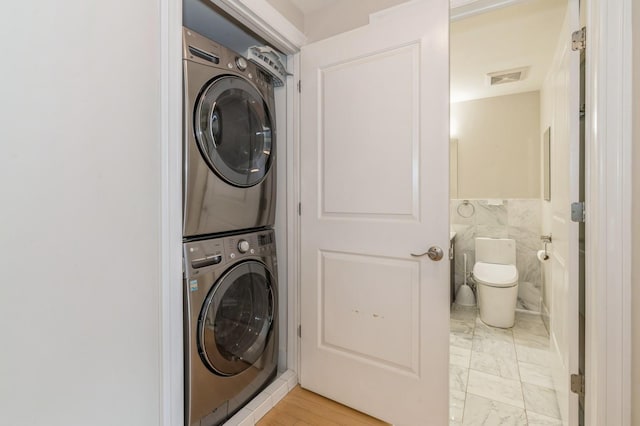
(495,275)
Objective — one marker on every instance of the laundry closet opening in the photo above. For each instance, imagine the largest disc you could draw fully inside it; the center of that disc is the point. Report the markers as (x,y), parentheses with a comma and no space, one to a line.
(235,241)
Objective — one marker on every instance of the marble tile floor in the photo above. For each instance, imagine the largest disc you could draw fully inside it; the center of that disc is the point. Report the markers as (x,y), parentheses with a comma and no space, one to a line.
(500,377)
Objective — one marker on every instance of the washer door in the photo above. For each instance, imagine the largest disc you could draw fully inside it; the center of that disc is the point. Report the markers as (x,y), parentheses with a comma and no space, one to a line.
(236,319)
(234,131)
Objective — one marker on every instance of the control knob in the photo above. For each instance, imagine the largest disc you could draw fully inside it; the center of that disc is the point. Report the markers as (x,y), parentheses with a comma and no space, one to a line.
(241,63)
(243,246)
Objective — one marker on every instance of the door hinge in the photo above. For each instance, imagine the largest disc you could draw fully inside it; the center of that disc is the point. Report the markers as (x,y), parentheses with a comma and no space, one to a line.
(451,252)
(299,86)
(300,331)
(578,213)
(579,39)
(299,209)
(577,384)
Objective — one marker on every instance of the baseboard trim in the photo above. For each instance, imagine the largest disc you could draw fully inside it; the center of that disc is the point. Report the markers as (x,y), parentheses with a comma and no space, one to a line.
(265,400)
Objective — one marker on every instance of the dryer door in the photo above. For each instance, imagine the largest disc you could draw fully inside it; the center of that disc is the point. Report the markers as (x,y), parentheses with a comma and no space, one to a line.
(234,131)
(235,324)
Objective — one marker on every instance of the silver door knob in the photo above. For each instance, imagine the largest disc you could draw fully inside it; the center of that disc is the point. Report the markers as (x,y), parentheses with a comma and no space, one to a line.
(435,253)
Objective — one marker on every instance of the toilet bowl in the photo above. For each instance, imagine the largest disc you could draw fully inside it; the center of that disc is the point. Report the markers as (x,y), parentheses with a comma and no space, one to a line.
(496,277)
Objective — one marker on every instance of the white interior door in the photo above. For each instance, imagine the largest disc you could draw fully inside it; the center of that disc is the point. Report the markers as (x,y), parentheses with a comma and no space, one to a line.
(565,162)
(374,189)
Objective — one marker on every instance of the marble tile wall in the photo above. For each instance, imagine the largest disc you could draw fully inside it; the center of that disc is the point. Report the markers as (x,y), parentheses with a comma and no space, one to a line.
(515,218)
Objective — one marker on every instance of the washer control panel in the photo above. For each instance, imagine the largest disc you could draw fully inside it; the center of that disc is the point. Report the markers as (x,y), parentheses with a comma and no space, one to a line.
(205,255)
(243,246)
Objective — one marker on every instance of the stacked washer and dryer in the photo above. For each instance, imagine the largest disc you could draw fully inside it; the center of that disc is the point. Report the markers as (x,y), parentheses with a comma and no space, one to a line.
(229,190)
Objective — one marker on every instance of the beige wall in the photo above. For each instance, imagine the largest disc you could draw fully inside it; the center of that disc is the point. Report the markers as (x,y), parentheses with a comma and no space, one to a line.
(498,146)
(341,16)
(334,18)
(289,11)
(635,312)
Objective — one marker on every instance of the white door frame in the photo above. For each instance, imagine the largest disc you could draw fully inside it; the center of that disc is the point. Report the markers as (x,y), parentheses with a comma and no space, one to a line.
(608,192)
(171,367)
(608,140)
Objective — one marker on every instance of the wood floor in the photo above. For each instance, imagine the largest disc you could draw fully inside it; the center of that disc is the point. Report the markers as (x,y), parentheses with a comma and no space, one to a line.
(301,408)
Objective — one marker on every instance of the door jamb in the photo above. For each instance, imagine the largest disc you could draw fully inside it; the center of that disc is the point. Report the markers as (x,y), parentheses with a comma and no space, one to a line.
(608,208)
(170,374)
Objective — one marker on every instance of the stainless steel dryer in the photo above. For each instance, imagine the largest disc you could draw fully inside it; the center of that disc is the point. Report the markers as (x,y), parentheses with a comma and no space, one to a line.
(231,332)
(229,140)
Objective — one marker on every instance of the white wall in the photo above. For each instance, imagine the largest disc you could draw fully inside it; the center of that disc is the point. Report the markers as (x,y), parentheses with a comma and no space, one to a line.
(498,146)
(635,350)
(546,120)
(281,224)
(551,115)
(80,210)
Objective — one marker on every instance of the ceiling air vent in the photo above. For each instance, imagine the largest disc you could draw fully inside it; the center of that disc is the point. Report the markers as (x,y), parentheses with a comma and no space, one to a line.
(507,76)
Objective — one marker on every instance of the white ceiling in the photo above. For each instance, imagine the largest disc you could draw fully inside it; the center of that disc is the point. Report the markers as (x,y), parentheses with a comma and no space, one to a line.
(310,6)
(522,35)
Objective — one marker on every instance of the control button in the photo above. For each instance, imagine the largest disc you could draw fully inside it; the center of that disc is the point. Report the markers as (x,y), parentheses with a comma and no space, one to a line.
(241,63)
(230,65)
(243,246)
(252,251)
(232,255)
(250,75)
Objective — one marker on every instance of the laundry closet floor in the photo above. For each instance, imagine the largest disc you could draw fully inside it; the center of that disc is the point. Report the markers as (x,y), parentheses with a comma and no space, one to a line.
(301,407)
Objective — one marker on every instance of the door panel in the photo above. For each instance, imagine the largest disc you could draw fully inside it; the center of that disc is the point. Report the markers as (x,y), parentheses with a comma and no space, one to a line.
(349,178)
(374,189)
(381,328)
(565,155)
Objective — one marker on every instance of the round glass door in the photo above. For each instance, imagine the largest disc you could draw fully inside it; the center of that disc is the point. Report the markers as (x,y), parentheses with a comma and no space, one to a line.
(234,131)
(236,319)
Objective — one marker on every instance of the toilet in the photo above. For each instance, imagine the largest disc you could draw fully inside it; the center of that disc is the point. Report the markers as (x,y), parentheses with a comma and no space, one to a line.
(496,277)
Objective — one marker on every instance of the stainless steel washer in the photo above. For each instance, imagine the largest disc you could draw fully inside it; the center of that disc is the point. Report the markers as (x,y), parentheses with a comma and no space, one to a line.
(231,332)
(229,141)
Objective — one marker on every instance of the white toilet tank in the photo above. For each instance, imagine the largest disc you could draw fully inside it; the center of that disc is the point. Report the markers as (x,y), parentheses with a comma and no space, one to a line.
(496,250)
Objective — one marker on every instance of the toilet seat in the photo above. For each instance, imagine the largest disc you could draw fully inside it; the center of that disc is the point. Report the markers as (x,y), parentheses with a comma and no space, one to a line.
(495,275)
